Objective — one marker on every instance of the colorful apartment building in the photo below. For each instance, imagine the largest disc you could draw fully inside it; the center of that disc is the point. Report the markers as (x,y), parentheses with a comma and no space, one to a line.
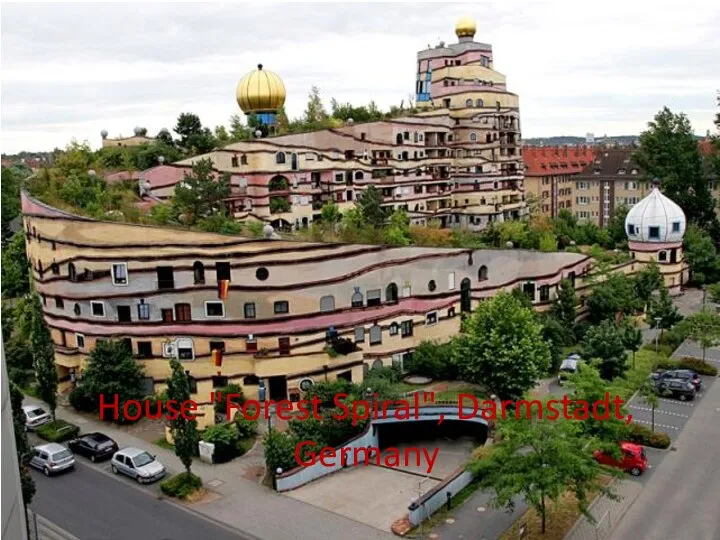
(457,162)
(285,314)
(550,173)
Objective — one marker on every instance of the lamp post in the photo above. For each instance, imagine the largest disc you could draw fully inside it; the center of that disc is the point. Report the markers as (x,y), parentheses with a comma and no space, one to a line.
(657,332)
(703,287)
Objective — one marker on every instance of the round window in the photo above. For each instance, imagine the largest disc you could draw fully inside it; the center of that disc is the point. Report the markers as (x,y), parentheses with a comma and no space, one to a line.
(262,273)
(431,285)
(306,384)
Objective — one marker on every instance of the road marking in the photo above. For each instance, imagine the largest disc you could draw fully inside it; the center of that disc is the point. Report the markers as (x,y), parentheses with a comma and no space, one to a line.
(659,411)
(676,402)
(656,424)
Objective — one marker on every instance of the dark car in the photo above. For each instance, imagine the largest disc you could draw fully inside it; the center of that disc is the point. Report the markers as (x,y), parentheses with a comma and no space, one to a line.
(681,389)
(684,374)
(95,446)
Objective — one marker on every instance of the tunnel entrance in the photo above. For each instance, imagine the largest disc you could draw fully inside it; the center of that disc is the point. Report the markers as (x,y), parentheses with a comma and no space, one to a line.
(418,432)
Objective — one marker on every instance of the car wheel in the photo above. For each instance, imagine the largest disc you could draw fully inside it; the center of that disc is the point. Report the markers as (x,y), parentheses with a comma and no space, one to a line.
(635,471)
(139,479)
(683,397)
(93,458)
(46,471)
(114,469)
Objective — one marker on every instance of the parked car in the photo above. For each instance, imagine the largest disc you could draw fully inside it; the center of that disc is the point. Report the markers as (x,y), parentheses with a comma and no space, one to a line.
(684,374)
(633,459)
(681,389)
(35,416)
(137,464)
(95,446)
(52,458)
(568,367)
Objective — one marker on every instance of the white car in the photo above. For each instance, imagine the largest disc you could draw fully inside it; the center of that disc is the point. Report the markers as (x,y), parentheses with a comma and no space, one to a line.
(35,416)
(52,458)
(137,464)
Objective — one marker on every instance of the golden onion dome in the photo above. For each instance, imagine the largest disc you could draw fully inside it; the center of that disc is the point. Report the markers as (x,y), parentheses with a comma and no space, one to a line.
(260,90)
(465,27)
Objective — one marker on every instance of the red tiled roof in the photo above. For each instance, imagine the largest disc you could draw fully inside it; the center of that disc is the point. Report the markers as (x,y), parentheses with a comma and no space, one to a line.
(546,160)
(706,147)
(164,175)
(121,176)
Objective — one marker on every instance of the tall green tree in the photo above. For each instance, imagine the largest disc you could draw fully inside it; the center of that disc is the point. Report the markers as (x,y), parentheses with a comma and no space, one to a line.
(648,392)
(701,255)
(631,336)
(370,205)
(647,281)
(315,114)
(165,137)
(563,307)
(184,430)
(662,308)
(200,195)
(22,444)
(608,298)
(704,327)
(15,276)
(43,351)
(605,342)
(188,125)
(540,460)
(501,346)
(11,183)
(669,151)
(616,227)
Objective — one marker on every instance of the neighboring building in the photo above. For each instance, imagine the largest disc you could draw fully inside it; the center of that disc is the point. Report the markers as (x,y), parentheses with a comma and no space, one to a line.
(458,162)
(550,173)
(610,180)
(139,138)
(260,311)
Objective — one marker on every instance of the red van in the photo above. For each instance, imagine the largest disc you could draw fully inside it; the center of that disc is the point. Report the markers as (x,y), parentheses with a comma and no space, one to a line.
(633,458)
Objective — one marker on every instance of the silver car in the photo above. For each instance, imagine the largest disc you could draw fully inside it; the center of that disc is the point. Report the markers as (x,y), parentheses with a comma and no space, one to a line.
(52,458)
(35,416)
(137,464)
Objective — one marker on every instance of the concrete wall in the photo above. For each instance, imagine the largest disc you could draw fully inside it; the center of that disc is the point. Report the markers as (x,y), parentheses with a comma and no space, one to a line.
(434,499)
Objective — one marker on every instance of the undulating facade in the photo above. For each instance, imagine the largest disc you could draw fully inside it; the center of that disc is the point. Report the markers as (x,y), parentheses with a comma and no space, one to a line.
(285,314)
(458,161)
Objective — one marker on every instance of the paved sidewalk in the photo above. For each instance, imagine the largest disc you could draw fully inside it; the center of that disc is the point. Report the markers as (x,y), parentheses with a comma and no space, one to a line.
(243,504)
(607,513)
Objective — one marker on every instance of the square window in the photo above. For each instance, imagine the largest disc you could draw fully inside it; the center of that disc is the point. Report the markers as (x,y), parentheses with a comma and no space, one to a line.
(167,315)
(119,274)
(654,233)
(214,309)
(183,312)
(143,311)
(360,334)
(249,309)
(80,341)
(393,329)
(676,226)
(59,302)
(166,278)
(222,270)
(631,229)
(97,309)
(144,349)
(431,318)
(406,328)
(251,345)
(217,345)
(281,307)
(219,381)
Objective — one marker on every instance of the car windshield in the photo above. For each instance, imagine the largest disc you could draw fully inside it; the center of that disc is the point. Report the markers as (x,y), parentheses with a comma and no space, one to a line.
(99,437)
(62,455)
(143,459)
(35,413)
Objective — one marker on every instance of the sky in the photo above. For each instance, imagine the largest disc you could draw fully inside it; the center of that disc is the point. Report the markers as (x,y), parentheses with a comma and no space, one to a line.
(71,70)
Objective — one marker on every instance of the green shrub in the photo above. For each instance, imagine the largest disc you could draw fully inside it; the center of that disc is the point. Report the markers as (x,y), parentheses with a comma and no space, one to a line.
(58,431)
(81,400)
(181,485)
(221,406)
(389,373)
(662,348)
(243,446)
(640,434)
(246,428)
(667,363)
(699,366)
(225,438)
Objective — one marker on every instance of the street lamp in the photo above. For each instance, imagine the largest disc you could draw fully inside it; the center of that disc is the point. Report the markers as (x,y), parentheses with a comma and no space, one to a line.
(704,290)
(657,332)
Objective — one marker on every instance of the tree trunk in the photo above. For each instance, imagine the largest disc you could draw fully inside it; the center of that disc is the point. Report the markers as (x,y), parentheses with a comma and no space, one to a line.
(542,512)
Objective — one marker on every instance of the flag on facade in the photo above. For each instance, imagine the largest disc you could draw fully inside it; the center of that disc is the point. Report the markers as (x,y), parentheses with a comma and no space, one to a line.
(217,355)
(223,286)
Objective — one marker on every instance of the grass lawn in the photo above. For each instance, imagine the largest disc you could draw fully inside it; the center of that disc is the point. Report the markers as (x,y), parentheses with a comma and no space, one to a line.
(561,516)
(452,394)
(162,443)
(645,362)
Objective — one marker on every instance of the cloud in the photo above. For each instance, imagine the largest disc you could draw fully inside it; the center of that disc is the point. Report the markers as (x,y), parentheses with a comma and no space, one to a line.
(72,70)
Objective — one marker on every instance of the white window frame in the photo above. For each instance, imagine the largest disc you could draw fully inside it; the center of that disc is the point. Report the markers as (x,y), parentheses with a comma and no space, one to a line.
(184,341)
(207,302)
(451,281)
(112,274)
(92,311)
(427,315)
(82,337)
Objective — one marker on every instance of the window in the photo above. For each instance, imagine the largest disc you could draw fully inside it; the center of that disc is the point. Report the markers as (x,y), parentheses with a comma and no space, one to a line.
(393,329)
(281,306)
(360,334)
(143,311)
(406,328)
(144,349)
(182,312)
(327,303)
(544,293)
(97,309)
(280,158)
(220,381)
(468,102)
(119,274)
(55,268)
(374,297)
(529,290)
(432,285)
(631,229)
(451,281)
(124,314)
(59,303)
(391,294)
(284,345)
(77,310)
(72,272)
(662,256)
(222,269)
(167,315)
(185,349)
(251,344)
(676,226)
(79,341)
(165,277)
(482,273)
(375,335)
(451,312)
(217,346)
(262,273)
(357,299)
(406,291)
(234,161)
(249,310)
(431,318)
(473,137)
(251,380)
(479,103)
(214,309)
(198,273)
(654,233)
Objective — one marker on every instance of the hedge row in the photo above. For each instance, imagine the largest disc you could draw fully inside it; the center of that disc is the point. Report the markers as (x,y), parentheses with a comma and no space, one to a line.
(181,485)
(58,431)
(695,364)
(640,434)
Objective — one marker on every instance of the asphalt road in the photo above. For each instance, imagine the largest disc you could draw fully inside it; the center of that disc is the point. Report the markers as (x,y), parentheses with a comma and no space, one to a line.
(94,506)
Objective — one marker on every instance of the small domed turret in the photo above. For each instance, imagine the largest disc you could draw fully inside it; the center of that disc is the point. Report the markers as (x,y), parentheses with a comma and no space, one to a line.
(655,219)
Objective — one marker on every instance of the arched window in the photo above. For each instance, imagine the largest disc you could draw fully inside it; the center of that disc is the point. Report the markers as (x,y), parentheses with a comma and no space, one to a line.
(327,303)
(468,102)
(482,273)
(359,175)
(377,364)
(199,273)
(393,329)
(280,158)
(479,103)
(357,300)
(391,294)
(488,138)
(76,309)
(432,285)
(399,138)
(662,256)
(473,137)
(465,284)
(294,162)
(72,273)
